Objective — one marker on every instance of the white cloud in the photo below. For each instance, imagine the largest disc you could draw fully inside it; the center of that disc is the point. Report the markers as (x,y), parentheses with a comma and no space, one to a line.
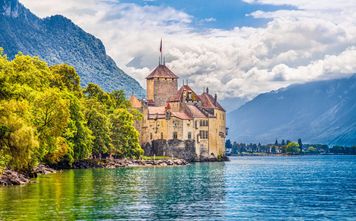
(316,40)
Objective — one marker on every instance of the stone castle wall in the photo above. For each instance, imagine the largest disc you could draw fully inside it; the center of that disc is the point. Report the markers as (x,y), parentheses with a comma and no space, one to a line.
(164,88)
(182,149)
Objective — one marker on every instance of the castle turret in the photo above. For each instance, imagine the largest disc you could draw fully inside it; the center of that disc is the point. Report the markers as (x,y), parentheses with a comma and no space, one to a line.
(162,83)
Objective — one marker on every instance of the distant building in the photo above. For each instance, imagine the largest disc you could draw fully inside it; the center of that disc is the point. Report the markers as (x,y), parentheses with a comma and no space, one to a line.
(179,122)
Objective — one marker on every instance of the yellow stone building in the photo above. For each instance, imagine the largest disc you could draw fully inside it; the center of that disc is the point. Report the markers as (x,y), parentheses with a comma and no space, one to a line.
(180,122)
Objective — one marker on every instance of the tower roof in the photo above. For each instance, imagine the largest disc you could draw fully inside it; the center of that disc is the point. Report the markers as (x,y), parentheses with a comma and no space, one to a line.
(210,102)
(162,71)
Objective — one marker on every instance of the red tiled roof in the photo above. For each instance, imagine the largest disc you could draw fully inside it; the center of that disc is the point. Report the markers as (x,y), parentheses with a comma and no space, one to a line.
(208,102)
(181,115)
(162,72)
(135,102)
(156,112)
(178,96)
(195,112)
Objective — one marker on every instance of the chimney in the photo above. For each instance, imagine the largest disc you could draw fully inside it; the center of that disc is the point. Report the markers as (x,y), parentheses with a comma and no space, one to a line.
(215,98)
(207,90)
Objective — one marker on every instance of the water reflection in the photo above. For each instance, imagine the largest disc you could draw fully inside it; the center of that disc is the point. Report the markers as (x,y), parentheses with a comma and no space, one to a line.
(140,193)
(258,188)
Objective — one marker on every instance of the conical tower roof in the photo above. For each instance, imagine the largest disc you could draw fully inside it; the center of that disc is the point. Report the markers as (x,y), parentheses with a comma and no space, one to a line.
(162,71)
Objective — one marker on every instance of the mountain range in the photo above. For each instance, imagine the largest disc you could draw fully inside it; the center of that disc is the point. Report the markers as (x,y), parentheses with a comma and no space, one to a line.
(317,112)
(57,39)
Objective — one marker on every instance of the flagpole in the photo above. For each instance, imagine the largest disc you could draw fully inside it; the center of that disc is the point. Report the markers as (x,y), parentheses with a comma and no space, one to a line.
(160,49)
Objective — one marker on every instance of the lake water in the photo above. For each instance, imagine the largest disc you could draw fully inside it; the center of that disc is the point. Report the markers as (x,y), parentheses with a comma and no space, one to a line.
(251,188)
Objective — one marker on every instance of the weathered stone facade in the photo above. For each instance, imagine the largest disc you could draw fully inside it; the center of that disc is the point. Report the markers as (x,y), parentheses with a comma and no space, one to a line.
(182,149)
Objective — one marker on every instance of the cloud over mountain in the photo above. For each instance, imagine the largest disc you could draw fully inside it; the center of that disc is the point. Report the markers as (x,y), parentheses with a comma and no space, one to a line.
(314,40)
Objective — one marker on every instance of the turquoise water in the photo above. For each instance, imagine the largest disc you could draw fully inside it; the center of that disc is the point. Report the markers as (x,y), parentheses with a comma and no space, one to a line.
(251,188)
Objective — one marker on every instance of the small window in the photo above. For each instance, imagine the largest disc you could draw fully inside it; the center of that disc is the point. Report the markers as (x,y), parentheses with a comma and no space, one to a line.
(189,135)
(151,136)
(203,134)
(175,135)
(161,136)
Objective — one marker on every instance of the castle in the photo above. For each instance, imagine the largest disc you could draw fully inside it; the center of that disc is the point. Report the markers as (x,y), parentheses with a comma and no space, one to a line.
(179,122)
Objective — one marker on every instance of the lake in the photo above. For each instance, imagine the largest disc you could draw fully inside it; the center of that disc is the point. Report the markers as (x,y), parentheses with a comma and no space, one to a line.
(257,188)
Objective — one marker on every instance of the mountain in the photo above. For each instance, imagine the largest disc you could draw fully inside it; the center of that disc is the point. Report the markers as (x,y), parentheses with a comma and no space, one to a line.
(57,39)
(231,104)
(318,112)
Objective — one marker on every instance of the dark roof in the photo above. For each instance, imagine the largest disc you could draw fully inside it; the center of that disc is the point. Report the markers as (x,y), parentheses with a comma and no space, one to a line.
(209,102)
(162,72)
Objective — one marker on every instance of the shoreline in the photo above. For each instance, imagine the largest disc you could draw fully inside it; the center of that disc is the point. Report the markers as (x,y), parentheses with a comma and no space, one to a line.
(12,178)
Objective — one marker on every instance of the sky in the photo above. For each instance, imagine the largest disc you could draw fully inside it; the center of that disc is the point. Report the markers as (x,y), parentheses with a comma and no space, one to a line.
(237,48)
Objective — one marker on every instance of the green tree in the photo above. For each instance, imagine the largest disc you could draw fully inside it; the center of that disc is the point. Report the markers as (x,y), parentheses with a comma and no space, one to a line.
(78,134)
(124,136)
(65,77)
(51,116)
(312,150)
(293,148)
(18,140)
(99,123)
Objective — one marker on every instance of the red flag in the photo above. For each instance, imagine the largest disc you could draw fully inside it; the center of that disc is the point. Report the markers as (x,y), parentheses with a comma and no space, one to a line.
(160,47)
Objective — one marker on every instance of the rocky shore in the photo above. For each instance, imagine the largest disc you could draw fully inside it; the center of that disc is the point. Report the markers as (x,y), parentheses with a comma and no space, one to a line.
(10,177)
(117,163)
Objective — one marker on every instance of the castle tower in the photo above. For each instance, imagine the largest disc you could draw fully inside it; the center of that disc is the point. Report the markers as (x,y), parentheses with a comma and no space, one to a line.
(162,83)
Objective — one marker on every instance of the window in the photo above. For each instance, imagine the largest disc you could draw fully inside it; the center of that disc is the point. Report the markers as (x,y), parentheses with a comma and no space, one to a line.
(189,135)
(161,136)
(204,123)
(175,135)
(189,95)
(203,134)
(196,124)
(150,136)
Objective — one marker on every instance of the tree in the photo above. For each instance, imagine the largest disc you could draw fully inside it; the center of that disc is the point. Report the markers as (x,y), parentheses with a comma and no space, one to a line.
(312,150)
(292,148)
(124,136)
(51,117)
(18,140)
(228,144)
(276,143)
(283,143)
(65,77)
(78,135)
(99,123)
(300,144)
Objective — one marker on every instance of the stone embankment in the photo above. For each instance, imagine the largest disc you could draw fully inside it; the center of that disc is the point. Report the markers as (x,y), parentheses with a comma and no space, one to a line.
(117,163)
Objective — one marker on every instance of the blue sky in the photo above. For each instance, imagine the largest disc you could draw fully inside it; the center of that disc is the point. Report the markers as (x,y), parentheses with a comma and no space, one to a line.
(222,14)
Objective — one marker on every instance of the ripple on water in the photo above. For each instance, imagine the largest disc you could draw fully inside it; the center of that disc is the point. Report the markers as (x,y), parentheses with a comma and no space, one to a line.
(266,188)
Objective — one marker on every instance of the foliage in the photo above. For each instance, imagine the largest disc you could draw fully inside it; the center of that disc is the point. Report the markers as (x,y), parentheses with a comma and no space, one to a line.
(45,116)
(124,136)
(228,144)
(312,149)
(292,148)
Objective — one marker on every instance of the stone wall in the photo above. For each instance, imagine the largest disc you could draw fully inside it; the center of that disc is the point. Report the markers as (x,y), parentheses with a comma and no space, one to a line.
(182,149)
